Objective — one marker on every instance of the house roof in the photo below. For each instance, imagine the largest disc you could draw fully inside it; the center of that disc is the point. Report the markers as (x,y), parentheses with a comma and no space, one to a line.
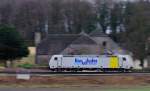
(55,43)
(97,33)
(84,39)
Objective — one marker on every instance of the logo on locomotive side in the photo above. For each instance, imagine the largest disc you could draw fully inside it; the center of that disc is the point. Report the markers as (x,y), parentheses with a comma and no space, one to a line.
(87,61)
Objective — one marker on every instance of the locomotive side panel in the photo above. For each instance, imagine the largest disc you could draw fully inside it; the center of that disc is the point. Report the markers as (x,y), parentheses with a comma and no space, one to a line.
(68,62)
(110,62)
(114,62)
(104,62)
(81,62)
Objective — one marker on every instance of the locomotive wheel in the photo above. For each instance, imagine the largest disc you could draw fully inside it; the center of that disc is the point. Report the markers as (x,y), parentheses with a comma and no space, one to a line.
(98,70)
(52,70)
(58,70)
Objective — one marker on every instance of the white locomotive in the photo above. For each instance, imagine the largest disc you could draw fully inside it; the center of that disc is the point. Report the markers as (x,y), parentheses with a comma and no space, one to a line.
(91,62)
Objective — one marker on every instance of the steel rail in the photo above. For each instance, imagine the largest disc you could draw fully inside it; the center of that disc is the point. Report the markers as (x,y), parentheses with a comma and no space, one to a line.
(49,72)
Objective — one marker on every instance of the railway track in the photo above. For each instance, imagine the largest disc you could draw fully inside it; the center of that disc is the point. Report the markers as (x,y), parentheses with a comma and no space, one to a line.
(48,73)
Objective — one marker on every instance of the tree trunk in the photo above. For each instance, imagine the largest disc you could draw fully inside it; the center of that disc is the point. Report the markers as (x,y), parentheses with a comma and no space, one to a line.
(148,58)
(142,63)
(11,63)
(7,64)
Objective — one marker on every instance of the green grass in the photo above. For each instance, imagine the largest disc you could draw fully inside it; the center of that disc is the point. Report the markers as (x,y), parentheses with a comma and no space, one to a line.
(26,65)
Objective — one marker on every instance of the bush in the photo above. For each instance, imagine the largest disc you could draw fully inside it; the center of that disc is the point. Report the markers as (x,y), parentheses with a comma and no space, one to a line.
(12,44)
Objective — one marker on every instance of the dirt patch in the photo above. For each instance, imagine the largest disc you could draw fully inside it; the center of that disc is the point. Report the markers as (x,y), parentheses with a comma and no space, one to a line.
(78,81)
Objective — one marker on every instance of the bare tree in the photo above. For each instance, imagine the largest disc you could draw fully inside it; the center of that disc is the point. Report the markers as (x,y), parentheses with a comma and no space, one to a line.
(30,15)
(6,13)
(55,16)
(80,16)
(137,24)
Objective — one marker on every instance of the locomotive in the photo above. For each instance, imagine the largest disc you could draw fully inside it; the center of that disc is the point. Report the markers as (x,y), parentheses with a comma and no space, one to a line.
(91,63)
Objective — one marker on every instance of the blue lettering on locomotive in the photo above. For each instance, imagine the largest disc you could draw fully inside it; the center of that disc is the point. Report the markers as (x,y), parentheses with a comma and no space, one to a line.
(88,61)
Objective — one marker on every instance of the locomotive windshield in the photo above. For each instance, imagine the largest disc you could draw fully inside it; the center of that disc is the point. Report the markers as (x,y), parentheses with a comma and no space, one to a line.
(124,59)
(55,58)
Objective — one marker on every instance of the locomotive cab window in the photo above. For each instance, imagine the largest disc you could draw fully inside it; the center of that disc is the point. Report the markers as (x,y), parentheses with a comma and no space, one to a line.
(124,59)
(55,58)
